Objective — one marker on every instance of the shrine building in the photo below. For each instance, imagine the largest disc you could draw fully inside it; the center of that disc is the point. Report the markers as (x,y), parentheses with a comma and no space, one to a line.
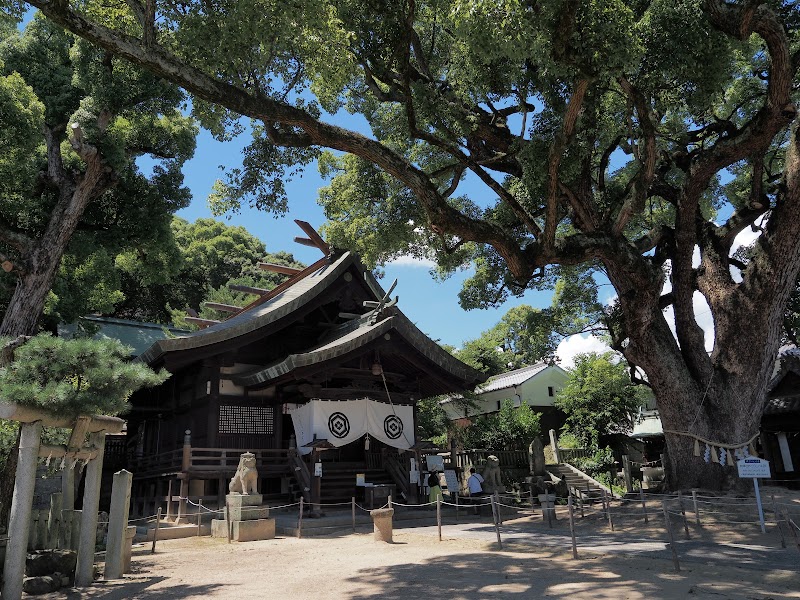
(322,371)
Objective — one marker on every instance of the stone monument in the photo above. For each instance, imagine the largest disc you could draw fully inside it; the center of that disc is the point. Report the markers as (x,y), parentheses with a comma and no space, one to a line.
(536,453)
(492,481)
(248,519)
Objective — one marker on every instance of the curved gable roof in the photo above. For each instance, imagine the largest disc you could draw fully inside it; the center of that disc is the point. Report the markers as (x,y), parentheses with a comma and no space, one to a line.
(267,312)
(356,334)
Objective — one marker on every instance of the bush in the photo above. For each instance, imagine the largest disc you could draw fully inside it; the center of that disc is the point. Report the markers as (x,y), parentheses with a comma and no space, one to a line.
(511,428)
(601,461)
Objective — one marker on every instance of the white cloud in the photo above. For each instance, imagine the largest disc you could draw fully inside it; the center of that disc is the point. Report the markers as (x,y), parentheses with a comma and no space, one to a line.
(411,261)
(570,347)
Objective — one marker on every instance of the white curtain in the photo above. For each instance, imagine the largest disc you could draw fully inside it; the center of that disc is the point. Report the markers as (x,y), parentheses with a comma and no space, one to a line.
(343,422)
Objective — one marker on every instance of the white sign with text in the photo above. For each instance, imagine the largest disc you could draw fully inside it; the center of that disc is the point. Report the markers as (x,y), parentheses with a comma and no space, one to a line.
(752,467)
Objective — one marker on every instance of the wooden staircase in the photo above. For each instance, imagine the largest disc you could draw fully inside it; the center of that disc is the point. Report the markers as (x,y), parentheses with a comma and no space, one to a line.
(581,484)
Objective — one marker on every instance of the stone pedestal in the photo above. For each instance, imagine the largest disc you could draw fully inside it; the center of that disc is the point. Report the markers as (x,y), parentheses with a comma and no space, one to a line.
(382,522)
(248,519)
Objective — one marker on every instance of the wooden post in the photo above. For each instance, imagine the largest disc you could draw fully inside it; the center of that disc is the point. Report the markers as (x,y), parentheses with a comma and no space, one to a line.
(389,501)
(581,502)
(169,499)
(670,539)
(607,506)
(778,521)
(626,472)
(353,507)
(496,524)
(455,497)
(184,494)
(530,493)
(572,528)
(199,515)
(496,497)
(155,531)
(300,520)
(439,516)
(683,514)
(696,509)
(792,527)
(644,505)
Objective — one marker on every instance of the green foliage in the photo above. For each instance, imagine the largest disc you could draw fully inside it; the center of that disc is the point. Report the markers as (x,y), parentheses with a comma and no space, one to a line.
(510,428)
(74,377)
(599,398)
(48,80)
(210,256)
(601,461)
(432,419)
(527,335)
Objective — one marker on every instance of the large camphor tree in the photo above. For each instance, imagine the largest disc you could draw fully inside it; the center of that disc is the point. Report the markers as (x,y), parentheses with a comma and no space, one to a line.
(629,137)
(76,208)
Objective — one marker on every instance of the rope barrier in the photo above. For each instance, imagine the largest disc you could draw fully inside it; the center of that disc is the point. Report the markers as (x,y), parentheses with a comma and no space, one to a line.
(285,506)
(142,519)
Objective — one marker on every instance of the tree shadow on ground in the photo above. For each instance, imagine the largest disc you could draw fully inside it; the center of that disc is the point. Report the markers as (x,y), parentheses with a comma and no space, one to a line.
(138,588)
(497,574)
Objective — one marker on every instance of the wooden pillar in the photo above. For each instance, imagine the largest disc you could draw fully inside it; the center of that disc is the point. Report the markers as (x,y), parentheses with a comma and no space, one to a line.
(84,571)
(277,424)
(316,482)
(626,470)
(186,463)
(21,503)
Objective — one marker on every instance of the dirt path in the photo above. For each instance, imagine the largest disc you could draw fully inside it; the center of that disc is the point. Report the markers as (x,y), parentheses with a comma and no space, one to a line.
(416,566)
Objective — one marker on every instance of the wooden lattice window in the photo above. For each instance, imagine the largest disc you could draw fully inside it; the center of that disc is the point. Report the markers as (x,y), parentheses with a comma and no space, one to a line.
(253,420)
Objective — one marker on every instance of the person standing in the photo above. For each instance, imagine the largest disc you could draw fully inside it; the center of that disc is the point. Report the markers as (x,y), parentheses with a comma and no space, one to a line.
(435,487)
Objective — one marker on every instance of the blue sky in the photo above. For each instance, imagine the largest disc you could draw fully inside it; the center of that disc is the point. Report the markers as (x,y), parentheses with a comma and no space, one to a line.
(432,305)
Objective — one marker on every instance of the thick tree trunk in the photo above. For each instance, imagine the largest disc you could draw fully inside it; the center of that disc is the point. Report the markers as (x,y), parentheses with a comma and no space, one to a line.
(27,303)
(718,397)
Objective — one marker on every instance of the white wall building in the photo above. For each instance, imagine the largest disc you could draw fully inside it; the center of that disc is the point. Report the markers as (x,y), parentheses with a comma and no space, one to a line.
(535,385)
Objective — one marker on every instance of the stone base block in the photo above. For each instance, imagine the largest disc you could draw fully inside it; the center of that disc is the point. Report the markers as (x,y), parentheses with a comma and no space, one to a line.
(248,513)
(245,531)
(239,500)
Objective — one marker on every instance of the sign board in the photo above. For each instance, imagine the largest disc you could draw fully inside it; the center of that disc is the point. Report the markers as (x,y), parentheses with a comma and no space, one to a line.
(752,467)
(451,480)
(413,476)
(318,469)
(360,479)
(435,462)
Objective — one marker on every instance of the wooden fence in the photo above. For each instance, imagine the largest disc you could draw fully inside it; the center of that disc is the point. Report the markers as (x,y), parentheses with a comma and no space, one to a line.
(508,458)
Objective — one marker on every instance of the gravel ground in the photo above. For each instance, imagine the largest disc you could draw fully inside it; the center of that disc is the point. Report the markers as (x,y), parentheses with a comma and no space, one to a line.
(720,561)
(418,565)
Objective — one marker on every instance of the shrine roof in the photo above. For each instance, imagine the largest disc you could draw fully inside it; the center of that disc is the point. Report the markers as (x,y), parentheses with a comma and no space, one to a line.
(354,335)
(267,310)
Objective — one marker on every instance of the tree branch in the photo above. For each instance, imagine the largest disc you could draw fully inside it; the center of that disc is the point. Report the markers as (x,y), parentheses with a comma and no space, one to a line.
(642,181)
(573,109)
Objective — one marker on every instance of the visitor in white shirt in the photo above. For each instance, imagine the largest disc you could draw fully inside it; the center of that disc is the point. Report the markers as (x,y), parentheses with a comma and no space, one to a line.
(475,483)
